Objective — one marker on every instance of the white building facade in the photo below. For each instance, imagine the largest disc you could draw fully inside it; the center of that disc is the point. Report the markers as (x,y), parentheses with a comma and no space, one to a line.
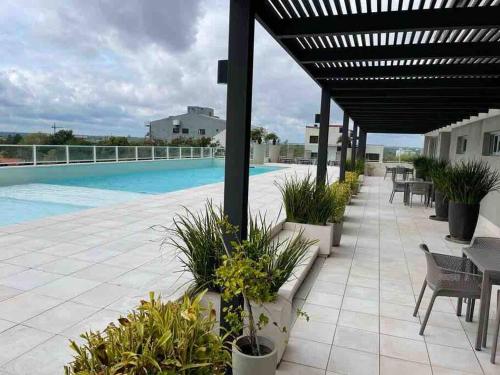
(197,123)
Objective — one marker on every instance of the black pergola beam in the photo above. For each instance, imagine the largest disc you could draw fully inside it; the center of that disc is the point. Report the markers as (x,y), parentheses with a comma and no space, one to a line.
(492,99)
(423,107)
(324,124)
(417,93)
(406,71)
(409,84)
(422,19)
(405,51)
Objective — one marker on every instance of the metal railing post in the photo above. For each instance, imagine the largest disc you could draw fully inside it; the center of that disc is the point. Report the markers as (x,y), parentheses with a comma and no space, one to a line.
(67,154)
(168,152)
(152,152)
(191,152)
(136,153)
(95,154)
(116,153)
(34,155)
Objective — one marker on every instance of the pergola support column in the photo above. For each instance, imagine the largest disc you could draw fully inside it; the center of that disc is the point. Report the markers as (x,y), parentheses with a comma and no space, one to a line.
(343,150)
(238,116)
(362,144)
(354,142)
(324,125)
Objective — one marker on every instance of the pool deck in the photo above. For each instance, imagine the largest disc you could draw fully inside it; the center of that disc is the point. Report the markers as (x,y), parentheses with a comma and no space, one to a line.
(63,275)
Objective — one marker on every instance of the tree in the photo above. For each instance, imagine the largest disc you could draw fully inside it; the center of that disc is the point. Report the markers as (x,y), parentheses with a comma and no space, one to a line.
(35,139)
(273,137)
(62,137)
(115,141)
(257,134)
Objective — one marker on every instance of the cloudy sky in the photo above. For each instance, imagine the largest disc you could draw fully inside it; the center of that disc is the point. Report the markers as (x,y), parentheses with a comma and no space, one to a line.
(107,66)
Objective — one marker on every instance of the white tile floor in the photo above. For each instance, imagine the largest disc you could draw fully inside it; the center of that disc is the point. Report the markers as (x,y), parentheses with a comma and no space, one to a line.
(362,300)
(63,275)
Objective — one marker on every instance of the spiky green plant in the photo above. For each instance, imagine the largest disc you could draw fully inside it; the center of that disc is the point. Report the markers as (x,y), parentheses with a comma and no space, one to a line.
(470,181)
(422,165)
(341,193)
(306,201)
(196,238)
(156,338)
(438,171)
(358,166)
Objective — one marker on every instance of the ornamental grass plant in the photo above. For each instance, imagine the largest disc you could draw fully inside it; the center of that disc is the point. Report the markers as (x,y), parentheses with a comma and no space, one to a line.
(305,201)
(470,181)
(157,338)
(342,193)
(352,179)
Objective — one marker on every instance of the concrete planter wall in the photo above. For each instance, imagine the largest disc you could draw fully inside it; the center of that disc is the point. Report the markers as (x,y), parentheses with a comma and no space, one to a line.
(337,233)
(259,153)
(322,233)
(274,153)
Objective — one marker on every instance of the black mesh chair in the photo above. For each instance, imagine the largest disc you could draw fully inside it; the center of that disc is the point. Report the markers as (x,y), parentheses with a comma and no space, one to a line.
(446,278)
(397,186)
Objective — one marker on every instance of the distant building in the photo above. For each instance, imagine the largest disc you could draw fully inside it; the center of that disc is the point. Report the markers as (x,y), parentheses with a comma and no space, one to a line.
(373,152)
(198,122)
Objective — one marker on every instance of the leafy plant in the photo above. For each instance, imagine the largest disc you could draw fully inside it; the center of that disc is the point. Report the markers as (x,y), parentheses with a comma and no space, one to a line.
(351,178)
(438,171)
(422,165)
(306,201)
(470,181)
(196,237)
(157,338)
(272,137)
(358,166)
(341,193)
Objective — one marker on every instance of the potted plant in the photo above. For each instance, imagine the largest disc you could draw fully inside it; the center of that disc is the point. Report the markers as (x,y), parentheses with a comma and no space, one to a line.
(352,178)
(308,207)
(438,172)
(274,147)
(259,149)
(467,183)
(157,338)
(421,165)
(341,193)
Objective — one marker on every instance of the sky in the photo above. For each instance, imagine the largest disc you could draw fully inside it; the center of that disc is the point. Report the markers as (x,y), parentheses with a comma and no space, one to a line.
(105,67)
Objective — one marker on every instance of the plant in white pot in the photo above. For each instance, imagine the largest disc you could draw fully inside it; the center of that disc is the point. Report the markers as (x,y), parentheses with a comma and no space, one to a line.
(308,207)
(274,147)
(467,183)
(342,194)
(259,149)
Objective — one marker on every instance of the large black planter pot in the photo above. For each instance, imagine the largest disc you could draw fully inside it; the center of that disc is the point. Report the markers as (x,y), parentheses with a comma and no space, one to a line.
(462,220)
(441,205)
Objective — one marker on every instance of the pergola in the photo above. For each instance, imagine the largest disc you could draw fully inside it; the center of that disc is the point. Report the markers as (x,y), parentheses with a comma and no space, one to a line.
(392,66)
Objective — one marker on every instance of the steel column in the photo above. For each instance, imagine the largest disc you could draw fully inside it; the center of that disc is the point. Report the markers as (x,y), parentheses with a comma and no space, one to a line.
(362,144)
(324,125)
(238,118)
(343,150)
(354,142)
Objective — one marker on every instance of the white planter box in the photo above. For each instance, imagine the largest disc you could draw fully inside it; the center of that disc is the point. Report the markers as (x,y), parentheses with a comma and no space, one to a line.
(259,153)
(322,233)
(274,153)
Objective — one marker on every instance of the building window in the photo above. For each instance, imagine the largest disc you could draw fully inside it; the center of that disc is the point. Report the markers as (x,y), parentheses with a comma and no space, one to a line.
(201,131)
(372,157)
(313,139)
(175,130)
(495,143)
(185,131)
(314,155)
(461,145)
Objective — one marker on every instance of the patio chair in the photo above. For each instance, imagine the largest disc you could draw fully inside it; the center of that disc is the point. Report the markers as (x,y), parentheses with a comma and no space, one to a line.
(388,170)
(445,278)
(421,189)
(495,332)
(397,186)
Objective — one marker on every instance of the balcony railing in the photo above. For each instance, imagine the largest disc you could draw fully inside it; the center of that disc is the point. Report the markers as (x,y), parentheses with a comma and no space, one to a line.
(56,154)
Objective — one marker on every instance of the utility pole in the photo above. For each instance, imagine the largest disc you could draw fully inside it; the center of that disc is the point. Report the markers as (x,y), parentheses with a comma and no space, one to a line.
(54,128)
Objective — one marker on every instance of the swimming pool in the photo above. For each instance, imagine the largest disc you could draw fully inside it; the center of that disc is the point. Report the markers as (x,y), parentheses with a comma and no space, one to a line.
(21,203)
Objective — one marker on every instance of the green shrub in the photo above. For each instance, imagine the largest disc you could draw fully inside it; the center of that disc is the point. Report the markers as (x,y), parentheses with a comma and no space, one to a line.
(422,165)
(341,193)
(306,201)
(196,237)
(358,166)
(470,181)
(352,179)
(157,338)
(438,172)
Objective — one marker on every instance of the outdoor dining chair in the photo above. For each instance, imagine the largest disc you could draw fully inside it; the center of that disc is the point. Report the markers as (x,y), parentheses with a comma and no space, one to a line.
(388,170)
(446,278)
(397,186)
(421,189)
(495,332)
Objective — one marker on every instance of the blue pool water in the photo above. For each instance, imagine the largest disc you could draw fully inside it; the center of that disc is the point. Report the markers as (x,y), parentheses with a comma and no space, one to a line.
(20,203)
(155,182)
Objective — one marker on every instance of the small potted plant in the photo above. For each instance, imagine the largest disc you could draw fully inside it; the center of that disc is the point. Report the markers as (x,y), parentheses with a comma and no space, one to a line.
(274,147)
(467,183)
(242,277)
(352,178)
(341,193)
(259,149)
(438,172)
(309,206)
